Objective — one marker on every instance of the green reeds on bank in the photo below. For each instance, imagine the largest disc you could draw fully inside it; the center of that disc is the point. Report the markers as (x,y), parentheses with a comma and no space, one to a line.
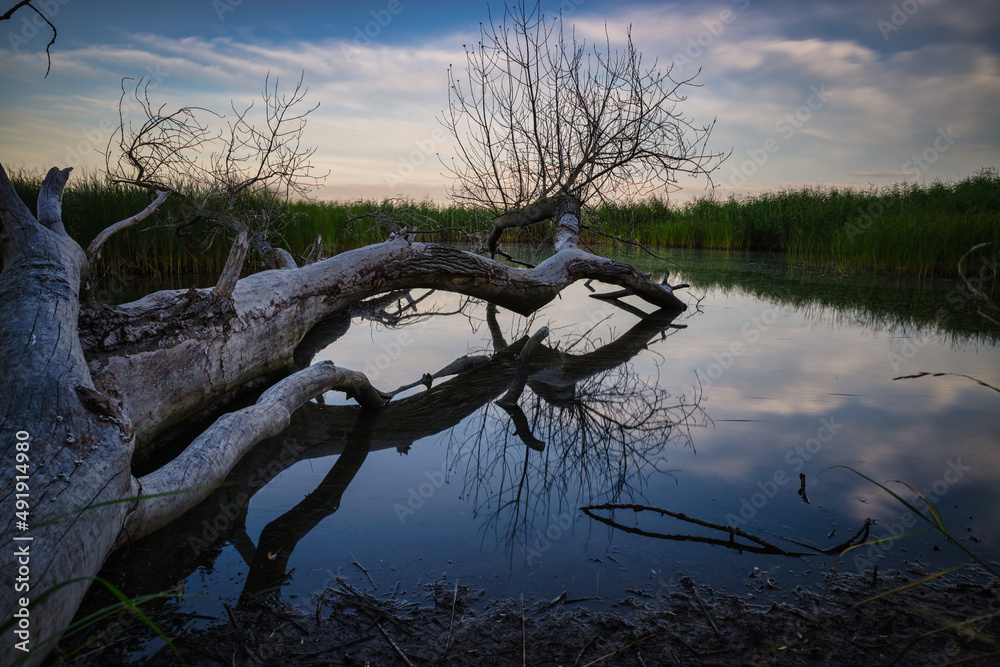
(906,228)
(90,204)
(902,229)
(346,225)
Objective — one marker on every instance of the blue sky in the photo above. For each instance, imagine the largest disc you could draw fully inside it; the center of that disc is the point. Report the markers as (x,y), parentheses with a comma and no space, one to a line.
(804,93)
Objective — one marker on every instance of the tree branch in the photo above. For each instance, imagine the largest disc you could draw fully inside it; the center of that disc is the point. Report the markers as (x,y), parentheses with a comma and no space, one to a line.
(181,484)
(27,3)
(50,199)
(95,245)
(233,268)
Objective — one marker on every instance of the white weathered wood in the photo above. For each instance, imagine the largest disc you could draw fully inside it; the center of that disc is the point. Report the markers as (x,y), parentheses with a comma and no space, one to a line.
(221,347)
(282,259)
(95,245)
(50,199)
(234,266)
(207,461)
(76,460)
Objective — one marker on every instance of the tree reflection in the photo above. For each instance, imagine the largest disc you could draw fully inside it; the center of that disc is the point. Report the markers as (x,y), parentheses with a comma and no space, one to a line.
(591,429)
(594,428)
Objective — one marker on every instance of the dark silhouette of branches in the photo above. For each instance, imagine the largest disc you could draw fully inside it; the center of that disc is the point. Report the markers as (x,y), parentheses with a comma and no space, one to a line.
(538,113)
(236,177)
(55,33)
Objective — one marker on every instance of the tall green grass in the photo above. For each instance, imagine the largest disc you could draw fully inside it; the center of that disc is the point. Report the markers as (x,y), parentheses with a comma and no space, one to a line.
(902,229)
(352,224)
(906,228)
(90,204)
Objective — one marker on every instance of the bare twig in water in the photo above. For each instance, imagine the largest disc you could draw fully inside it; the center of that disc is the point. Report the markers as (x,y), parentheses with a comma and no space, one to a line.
(361,567)
(689,582)
(451,626)
(319,608)
(760,545)
(937,375)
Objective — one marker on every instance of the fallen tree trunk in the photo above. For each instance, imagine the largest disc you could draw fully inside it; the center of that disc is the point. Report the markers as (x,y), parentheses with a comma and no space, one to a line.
(73,458)
(205,348)
(87,387)
(67,449)
(319,432)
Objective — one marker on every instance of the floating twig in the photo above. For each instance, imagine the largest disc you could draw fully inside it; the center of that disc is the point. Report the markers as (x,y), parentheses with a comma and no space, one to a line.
(361,567)
(553,603)
(319,608)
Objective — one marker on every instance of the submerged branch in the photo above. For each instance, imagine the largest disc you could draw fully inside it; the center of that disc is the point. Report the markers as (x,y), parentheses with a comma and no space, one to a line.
(208,460)
(759,545)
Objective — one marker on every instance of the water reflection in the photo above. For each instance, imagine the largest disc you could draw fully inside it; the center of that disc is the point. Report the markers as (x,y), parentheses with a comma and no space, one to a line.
(591,427)
(602,428)
(606,419)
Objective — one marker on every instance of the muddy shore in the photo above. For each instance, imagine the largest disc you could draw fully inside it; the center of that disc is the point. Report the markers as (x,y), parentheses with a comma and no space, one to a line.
(951,620)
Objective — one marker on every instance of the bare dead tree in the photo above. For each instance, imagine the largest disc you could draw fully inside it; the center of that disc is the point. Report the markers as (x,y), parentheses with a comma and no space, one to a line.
(545,123)
(238,177)
(95,385)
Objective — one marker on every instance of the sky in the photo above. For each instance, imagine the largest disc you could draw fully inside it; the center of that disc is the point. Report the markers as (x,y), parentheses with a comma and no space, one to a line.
(816,93)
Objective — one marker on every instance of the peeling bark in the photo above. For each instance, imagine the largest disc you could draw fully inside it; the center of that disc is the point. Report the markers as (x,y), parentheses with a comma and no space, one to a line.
(207,461)
(76,459)
(93,383)
(204,349)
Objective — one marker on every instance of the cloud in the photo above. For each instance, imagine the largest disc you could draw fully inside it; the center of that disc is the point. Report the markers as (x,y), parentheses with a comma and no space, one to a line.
(881,174)
(379,101)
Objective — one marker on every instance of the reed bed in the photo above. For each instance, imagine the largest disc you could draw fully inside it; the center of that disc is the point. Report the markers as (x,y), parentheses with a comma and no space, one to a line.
(901,229)
(904,229)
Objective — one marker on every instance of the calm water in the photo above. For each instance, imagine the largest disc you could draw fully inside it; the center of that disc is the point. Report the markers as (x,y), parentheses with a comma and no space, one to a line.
(714,413)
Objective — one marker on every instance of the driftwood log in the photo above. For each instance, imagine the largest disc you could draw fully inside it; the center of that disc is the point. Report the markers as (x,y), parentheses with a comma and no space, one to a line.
(87,386)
